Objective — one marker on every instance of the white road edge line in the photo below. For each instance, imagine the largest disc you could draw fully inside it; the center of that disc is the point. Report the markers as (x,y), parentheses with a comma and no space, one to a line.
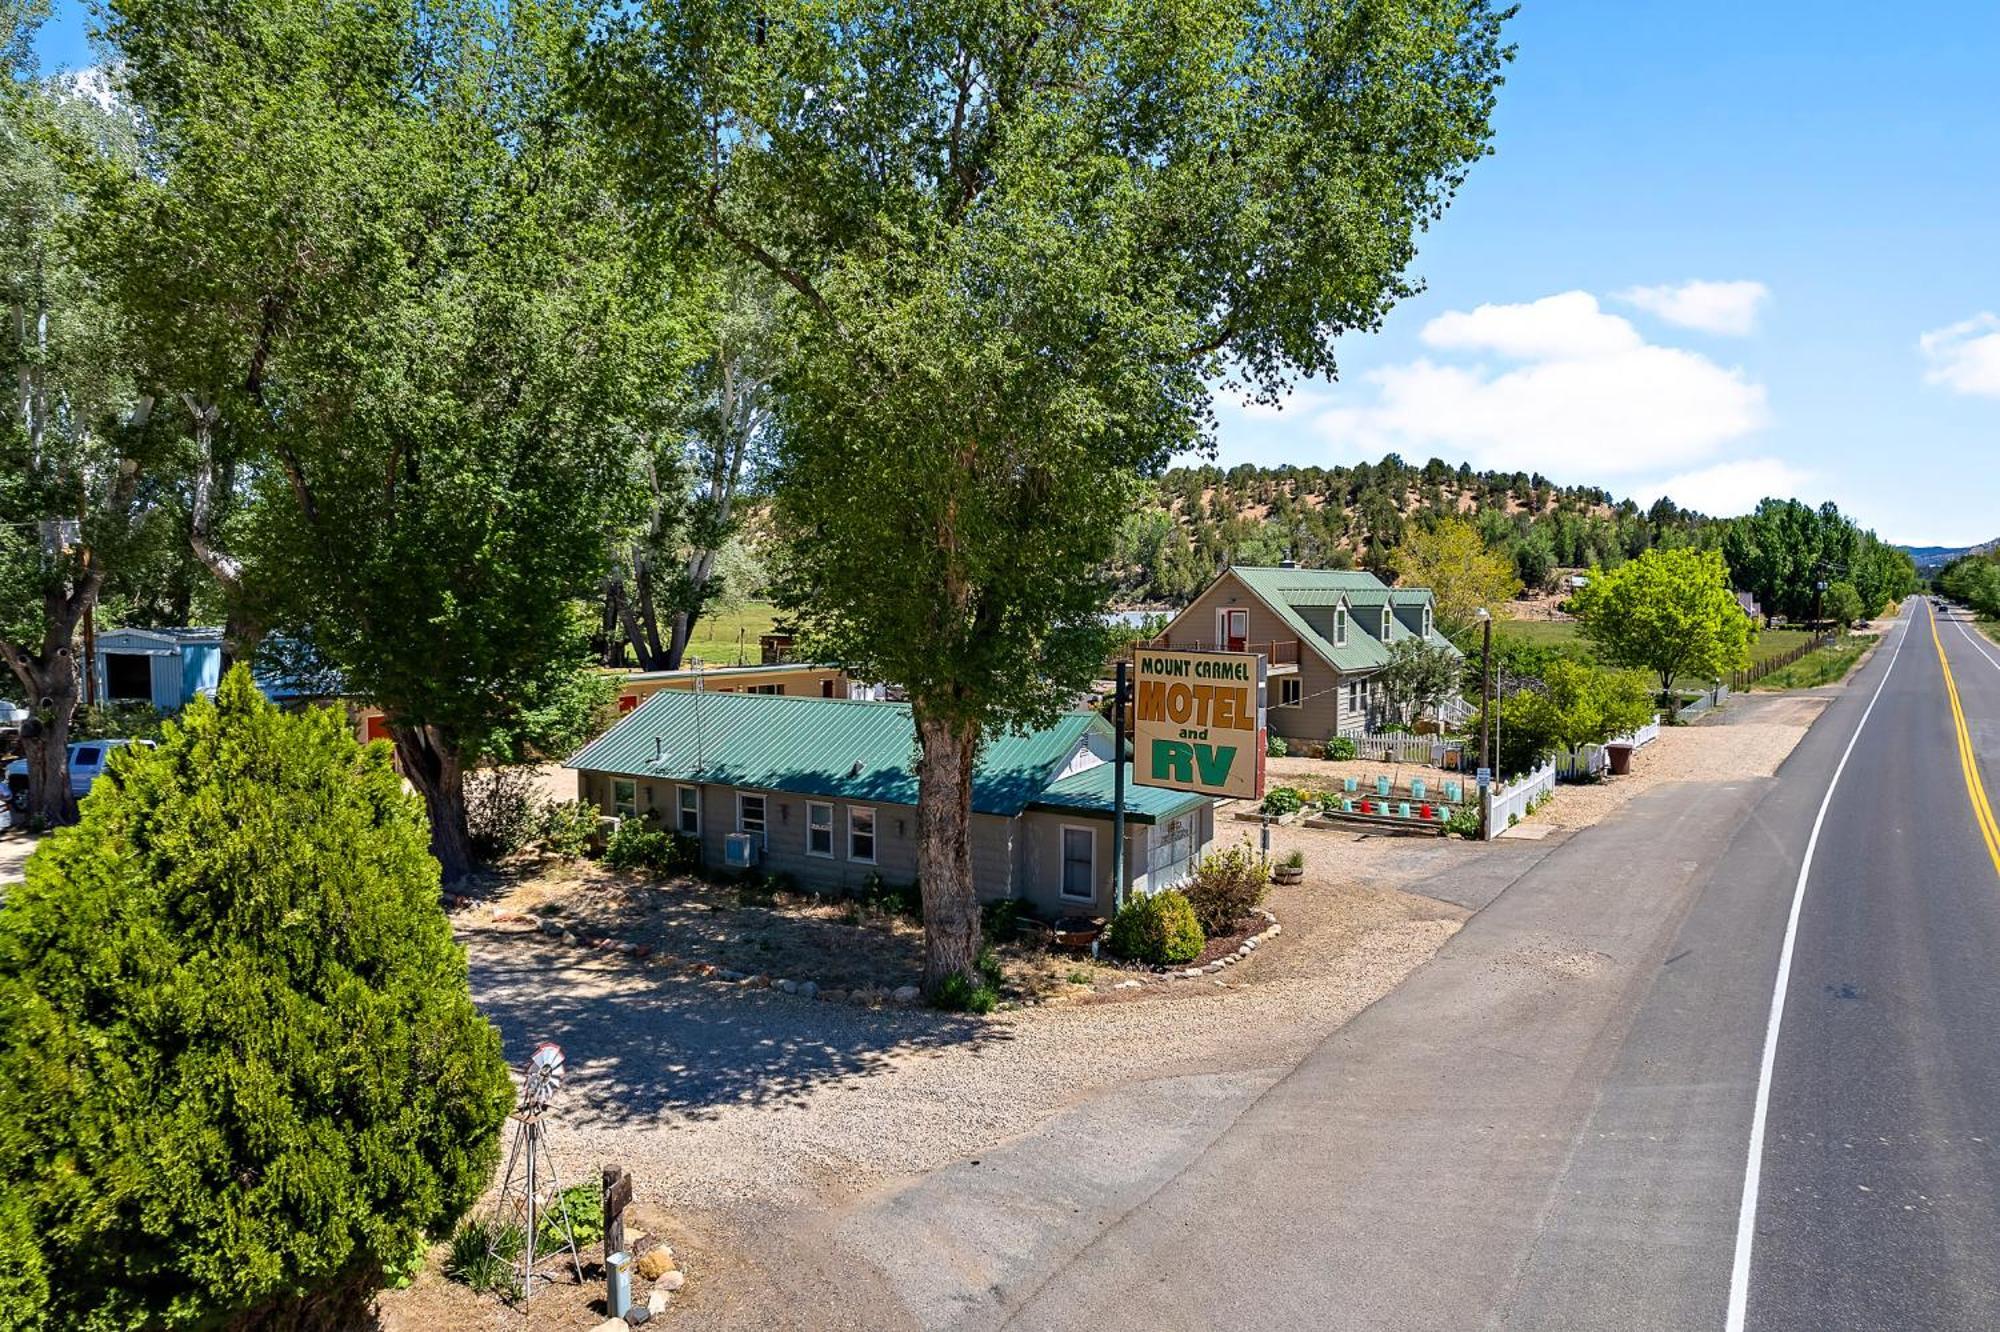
(1746,1216)
(1977,646)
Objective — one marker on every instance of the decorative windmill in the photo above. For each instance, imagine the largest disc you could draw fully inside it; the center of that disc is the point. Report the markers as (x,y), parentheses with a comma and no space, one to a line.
(531,1186)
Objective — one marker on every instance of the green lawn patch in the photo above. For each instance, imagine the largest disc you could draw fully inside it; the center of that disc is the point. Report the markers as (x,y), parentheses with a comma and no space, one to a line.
(730,638)
(1827,666)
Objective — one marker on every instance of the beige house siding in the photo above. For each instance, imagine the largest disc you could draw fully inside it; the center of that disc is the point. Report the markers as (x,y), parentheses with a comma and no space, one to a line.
(798,681)
(1041,858)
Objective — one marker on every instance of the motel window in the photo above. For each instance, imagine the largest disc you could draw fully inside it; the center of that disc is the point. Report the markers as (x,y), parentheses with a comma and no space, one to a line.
(1079,862)
(624,797)
(687,811)
(749,813)
(1290,691)
(765,689)
(1340,627)
(861,835)
(819,830)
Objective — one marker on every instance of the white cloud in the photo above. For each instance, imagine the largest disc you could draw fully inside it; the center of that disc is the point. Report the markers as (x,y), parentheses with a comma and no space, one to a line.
(1725,308)
(1728,489)
(1566,326)
(1965,357)
(1591,398)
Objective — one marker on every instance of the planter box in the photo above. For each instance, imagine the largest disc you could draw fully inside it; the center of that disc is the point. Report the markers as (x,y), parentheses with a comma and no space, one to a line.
(1288,874)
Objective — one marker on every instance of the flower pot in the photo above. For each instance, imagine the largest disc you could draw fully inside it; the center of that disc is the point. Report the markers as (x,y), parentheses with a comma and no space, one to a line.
(1288,874)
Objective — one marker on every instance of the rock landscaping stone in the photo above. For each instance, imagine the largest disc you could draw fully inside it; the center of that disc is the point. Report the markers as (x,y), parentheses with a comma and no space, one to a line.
(788,986)
(638,1315)
(673,1280)
(833,996)
(656,1303)
(758,981)
(906,994)
(612,1325)
(550,927)
(808,990)
(654,1264)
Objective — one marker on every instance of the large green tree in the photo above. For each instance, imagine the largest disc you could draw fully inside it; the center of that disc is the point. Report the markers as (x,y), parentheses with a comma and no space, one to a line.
(1019,243)
(241,1073)
(416,362)
(1669,612)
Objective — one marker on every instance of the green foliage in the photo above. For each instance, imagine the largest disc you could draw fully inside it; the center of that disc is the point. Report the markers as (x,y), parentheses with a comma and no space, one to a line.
(240,1064)
(1572,705)
(1463,822)
(1293,859)
(1000,920)
(116,721)
(1279,800)
(1342,748)
(1453,561)
(1010,284)
(483,1255)
(1670,612)
(1842,603)
(567,827)
(1975,581)
(1780,552)
(959,993)
(1225,886)
(1276,747)
(1159,928)
(1419,677)
(583,1204)
(634,844)
(500,812)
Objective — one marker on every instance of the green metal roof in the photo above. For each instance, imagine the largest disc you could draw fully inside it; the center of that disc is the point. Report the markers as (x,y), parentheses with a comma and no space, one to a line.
(1089,792)
(1304,599)
(818,746)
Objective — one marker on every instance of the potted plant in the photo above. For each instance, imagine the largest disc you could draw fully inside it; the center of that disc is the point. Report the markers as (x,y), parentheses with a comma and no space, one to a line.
(1289,869)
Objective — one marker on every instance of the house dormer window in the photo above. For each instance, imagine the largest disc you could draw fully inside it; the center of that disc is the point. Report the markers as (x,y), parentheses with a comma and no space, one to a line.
(1340,626)
(1427,622)
(1386,613)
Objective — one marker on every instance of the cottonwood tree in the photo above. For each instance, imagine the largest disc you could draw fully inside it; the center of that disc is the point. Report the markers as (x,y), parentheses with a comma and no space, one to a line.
(1453,561)
(390,284)
(74,486)
(1419,677)
(1018,242)
(1669,612)
(669,571)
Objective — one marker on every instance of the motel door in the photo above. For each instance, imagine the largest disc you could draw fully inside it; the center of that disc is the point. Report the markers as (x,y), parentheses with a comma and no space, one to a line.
(1235,629)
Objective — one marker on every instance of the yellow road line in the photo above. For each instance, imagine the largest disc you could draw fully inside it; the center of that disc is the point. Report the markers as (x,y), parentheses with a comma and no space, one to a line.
(1982,808)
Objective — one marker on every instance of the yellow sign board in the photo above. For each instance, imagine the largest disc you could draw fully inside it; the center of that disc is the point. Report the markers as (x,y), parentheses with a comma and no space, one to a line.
(1198,722)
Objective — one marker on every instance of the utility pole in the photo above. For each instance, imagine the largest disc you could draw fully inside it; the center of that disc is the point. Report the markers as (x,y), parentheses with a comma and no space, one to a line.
(1118,787)
(1486,689)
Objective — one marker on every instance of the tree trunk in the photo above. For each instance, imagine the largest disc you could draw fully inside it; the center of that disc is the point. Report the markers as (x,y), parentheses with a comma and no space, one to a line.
(944,848)
(437,770)
(52,703)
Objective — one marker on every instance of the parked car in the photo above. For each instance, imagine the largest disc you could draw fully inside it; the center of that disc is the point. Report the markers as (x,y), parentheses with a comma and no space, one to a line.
(86,764)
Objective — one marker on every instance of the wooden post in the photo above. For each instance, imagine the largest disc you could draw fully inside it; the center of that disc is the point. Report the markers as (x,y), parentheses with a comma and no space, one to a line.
(617,1197)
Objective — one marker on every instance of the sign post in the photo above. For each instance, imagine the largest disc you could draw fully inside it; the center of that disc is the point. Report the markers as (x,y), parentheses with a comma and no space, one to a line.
(1118,790)
(1199,722)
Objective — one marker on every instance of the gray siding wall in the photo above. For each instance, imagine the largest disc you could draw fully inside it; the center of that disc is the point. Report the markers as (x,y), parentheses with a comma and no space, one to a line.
(994,857)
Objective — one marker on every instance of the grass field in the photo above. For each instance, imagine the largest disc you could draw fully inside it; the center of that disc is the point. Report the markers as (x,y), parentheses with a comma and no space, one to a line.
(730,639)
(1829,664)
(1550,633)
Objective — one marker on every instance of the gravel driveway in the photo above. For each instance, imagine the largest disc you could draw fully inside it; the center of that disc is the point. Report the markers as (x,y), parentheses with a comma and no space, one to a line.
(14,851)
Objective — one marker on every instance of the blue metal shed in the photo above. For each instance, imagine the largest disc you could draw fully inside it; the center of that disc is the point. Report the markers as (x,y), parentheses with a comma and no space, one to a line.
(165,668)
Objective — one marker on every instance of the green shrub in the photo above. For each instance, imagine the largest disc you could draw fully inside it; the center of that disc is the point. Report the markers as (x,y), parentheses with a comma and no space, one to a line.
(1293,859)
(500,815)
(482,1256)
(899,899)
(1342,747)
(127,720)
(241,1071)
(959,993)
(1001,921)
(1159,928)
(1225,886)
(1282,800)
(584,1204)
(1275,747)
(1464,822)
(567,827)
(635,844)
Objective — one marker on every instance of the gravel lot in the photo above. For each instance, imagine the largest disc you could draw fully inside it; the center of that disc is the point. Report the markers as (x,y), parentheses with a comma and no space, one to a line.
(718,1096)
(14,849)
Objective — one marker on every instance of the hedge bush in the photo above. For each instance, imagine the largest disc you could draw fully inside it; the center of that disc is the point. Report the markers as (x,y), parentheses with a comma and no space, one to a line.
(567,827)
(1342,747)
(636,845)
(241,1074)
(1281,800)
(1225,886)
(1159,928)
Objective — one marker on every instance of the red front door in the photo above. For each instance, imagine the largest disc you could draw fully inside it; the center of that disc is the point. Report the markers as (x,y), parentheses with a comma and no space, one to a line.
(1235,630)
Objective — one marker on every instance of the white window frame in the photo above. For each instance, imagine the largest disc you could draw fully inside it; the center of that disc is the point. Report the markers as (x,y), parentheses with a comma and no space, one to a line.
(1427,621)
(1291,691)
(1340,626)
(769,690)
(873,834)
(763,815)
(1062,862)
(814,807)
(1356,697)
(1387,615)
(682,810)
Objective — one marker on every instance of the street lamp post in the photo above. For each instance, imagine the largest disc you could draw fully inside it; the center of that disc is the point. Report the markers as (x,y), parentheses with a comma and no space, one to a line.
(1486,687)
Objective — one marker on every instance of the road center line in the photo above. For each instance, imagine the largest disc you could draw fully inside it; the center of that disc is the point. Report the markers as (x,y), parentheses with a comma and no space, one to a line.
(1968,757)
(1753,1170)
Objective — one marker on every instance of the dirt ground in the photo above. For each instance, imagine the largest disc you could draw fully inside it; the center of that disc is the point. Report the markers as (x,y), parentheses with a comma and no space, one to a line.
(14,850)
(726,1100)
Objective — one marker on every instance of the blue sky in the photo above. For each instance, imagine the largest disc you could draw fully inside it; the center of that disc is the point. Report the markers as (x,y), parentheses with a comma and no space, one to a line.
(1828,179)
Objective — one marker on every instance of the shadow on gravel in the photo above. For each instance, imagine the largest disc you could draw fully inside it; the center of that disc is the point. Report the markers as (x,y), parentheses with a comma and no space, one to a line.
(641,1044)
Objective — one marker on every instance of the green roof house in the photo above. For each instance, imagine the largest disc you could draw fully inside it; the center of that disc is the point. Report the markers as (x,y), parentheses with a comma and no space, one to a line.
(826,790)
(1324,634)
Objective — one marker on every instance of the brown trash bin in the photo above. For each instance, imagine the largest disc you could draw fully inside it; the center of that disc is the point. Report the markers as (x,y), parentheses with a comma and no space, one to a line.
(1621,759)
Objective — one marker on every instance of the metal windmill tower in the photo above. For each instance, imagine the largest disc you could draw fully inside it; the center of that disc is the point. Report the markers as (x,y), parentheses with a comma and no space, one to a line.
(531,1187)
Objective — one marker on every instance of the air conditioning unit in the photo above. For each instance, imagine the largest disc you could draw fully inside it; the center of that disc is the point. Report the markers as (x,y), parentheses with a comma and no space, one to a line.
(739,850)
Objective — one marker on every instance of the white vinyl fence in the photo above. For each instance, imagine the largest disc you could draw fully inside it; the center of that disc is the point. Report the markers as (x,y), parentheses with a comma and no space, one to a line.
(1506,804)
(1580,764)
(1397,748)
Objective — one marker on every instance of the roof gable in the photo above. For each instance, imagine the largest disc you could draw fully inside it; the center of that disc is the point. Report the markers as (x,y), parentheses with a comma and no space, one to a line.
(816,746)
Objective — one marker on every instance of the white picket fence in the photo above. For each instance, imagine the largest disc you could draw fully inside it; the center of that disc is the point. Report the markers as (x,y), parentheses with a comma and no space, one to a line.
(1397,748)
(1579,764)
(1504,804)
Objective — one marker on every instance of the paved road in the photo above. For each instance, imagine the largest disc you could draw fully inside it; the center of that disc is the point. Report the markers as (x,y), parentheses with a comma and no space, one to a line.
(1548,1126)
